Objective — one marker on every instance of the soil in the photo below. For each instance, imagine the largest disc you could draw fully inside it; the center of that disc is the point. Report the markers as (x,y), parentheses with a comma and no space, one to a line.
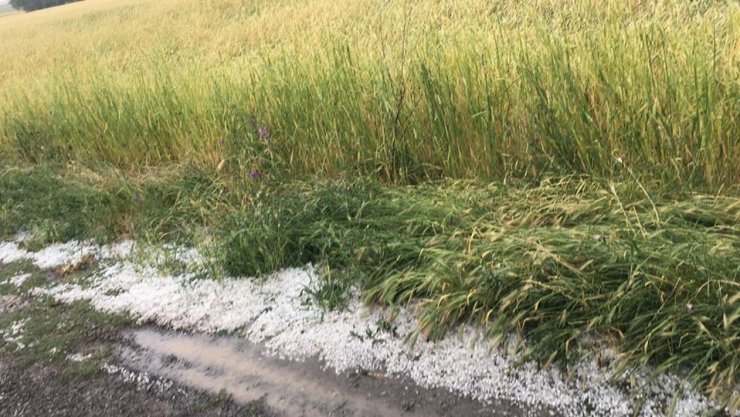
(44,390)
(233,365)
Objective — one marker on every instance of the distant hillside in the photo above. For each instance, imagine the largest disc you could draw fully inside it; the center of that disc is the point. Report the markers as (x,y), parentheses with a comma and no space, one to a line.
(6,9)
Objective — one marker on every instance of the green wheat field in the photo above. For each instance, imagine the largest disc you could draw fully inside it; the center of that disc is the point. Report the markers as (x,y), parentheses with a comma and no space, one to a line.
(563,169)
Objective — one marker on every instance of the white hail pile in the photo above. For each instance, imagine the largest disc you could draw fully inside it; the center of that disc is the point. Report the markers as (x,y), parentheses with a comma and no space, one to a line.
(143,381)
(14,334)
(277,312)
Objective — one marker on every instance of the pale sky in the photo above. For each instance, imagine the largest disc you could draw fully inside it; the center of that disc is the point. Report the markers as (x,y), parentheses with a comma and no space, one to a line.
(4,2)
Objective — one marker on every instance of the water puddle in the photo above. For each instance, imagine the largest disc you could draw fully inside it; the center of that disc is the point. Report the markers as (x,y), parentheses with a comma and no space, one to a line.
(302,389)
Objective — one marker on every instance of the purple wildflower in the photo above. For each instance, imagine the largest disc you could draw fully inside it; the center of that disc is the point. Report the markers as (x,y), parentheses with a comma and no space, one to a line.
(221,142)
(689,306)
(255,174)
(263,132)
(597,237)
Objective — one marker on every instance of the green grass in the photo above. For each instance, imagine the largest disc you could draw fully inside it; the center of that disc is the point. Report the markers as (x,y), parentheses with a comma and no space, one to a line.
(52,331)
(18,268)
(59,205)
(651,271)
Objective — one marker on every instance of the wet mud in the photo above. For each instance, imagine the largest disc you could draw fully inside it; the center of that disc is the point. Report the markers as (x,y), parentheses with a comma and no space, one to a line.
(295,389)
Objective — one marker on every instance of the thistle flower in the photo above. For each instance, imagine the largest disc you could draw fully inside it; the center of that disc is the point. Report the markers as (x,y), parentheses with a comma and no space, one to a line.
(255,174)
(263,132)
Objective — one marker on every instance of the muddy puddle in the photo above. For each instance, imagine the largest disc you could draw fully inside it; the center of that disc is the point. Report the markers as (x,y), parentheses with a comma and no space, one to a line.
(294,389)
